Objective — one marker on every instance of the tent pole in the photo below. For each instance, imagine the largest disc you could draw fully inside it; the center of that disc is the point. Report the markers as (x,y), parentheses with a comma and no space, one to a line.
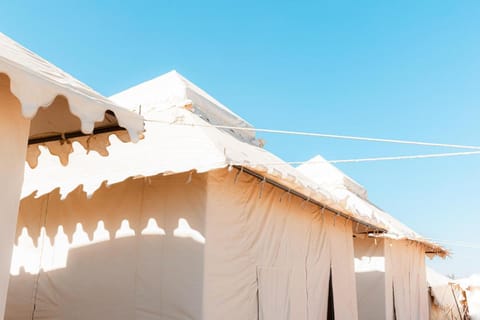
(456,302)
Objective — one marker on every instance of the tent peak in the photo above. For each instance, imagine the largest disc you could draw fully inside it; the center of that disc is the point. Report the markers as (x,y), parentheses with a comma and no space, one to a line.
(174,90)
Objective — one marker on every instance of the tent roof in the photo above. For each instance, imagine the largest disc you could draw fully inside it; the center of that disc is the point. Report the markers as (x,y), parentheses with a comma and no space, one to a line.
(177,139)
(337,182)
(172,89)
(59,105)
(436,279)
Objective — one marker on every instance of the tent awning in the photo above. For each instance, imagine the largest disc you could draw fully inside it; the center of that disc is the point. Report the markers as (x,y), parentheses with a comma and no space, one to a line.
(180,136)
(59,106)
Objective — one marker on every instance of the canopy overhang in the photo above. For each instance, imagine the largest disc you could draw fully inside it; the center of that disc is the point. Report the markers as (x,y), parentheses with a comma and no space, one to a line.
(176,141)
(59,107)
(42,105)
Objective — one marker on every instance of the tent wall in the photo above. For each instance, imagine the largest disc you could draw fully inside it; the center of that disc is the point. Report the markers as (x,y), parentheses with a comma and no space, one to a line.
(14,129)
(374,291)
(269,254)
(406,262)
(96,266)
(391,279)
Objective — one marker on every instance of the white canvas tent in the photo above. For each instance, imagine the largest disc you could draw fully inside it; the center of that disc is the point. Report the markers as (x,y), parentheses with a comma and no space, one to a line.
(390,268)
(192,222)
(185,116)
(42,105)
(447,298)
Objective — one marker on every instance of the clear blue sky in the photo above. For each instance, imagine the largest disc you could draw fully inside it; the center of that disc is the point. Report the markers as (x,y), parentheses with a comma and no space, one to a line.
(393,69)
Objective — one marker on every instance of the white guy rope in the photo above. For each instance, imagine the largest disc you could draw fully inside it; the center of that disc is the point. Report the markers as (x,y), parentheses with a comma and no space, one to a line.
(322,135)
(418,156)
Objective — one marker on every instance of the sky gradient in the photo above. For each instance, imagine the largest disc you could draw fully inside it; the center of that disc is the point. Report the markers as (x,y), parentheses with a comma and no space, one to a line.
(400,70)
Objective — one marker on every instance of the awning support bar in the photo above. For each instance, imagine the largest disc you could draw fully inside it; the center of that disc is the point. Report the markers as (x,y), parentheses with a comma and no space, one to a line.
(74,134)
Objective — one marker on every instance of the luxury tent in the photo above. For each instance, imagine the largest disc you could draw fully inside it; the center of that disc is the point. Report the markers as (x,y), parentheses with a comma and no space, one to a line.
(390,267)
(447,299)
(40,105)
(195,221)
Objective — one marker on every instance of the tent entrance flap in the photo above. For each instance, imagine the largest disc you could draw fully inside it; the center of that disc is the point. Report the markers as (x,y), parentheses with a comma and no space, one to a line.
(331,305)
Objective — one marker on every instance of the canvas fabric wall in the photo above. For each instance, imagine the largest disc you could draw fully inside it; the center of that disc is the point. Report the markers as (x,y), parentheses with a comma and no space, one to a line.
(273,261)
(374,293)
(391,279)
(406,260)
(249,251)
(96,266)
(14,130)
